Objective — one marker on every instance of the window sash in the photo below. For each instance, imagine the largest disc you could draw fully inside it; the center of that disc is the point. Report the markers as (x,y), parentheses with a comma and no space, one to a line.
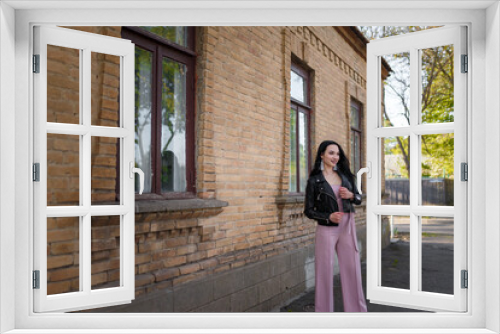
(419,299)
(161,49)
(86,297)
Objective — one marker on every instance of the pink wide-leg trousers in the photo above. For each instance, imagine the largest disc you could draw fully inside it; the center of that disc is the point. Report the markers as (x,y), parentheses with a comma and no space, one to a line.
(341,239)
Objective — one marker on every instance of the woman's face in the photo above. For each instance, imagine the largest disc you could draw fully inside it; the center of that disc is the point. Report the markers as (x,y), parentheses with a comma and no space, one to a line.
(330,156)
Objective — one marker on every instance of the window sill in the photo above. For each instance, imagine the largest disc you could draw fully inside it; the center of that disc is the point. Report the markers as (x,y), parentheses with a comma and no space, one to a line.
(290,199)
(178,205)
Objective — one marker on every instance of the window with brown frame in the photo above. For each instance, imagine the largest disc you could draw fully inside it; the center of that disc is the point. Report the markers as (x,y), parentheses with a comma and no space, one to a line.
(356,130)
(164,109)
(300,110)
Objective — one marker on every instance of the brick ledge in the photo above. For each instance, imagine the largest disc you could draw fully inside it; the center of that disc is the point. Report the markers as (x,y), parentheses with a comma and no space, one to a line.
(289,199)
(178,205)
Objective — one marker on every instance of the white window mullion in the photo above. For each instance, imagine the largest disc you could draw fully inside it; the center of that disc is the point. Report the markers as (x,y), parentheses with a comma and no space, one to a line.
(414,170)
(86,161)
(86,255)
(127,192)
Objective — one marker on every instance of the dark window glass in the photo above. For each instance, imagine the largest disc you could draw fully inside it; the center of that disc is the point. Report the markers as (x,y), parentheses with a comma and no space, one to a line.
(355,136)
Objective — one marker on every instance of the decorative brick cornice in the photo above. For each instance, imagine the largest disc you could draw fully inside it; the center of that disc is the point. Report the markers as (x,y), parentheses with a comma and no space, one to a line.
(332,56)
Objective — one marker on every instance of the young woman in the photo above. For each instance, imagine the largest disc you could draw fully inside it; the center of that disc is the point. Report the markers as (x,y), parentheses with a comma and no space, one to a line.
(330,197)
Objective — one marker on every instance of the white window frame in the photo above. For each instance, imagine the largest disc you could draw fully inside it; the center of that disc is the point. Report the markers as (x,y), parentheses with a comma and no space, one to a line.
(414,295)
(85,43)
(16,110)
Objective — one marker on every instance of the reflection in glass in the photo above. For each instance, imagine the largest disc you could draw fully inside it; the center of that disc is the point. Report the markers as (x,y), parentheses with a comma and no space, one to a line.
(355,119)
(63,169)
(437,254)
(438,169)
(355,136)
(396,90)
(303,162)
(173,127)
(396,168)
(105,91)
(104,172)
(437,99)
(395,261)
(63,85)
(355,151)
(176,35)
(293,151)
(143,108)
(298,88)
(63,255)
(105,237)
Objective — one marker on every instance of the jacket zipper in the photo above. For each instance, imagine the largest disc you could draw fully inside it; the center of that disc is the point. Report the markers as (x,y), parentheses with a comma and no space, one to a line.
(331,197)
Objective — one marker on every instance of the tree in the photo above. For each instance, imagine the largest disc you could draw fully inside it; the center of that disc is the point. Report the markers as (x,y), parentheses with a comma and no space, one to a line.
(437,100)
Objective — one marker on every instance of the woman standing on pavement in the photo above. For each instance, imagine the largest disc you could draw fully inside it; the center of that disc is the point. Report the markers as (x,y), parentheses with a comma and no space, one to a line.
(330,197)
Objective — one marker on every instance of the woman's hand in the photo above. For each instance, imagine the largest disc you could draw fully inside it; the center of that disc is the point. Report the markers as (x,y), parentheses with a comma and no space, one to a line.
(345,193)
(336,217)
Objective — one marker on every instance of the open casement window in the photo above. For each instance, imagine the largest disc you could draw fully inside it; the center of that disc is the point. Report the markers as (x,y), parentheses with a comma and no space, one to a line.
(84,164)
(433,134)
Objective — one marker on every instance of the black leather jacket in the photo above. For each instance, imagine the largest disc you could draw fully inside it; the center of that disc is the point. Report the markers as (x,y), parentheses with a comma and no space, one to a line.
(320,200)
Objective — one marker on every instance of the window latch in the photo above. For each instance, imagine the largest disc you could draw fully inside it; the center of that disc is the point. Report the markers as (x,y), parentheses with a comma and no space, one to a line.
(367,170)
(139,171)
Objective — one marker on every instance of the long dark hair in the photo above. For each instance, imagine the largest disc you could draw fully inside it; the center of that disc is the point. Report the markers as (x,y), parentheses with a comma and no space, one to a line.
(343,164)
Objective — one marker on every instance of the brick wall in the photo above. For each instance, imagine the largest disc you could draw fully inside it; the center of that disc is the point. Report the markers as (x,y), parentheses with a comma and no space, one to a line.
(242,152)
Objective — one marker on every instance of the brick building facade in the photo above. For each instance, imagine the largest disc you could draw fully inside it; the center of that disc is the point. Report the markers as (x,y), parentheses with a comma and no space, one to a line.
(241,242)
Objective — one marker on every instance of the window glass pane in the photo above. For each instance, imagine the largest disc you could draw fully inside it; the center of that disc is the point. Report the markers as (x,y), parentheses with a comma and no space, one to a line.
(63,255)
(355,121)
(438,169)
(303,151)
(396,168)
(293,151)
(143,109)
(357,151)
(437,266)
(437,102)
(298,88)
(353,152)
(105,233)
(176,35)
(104,170)
(395,252)
(173,126)
(396,91)
(63,85)
(63,169)
(105,90)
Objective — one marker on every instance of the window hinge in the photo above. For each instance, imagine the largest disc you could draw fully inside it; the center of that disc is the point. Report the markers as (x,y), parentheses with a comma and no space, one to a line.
(36,63)
(465,64)
(36,279)
(465,279)
(464,171)
(36,172)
